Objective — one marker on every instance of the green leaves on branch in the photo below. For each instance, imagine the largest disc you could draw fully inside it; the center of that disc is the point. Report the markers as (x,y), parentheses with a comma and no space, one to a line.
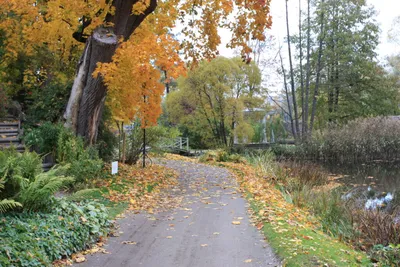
(210,101)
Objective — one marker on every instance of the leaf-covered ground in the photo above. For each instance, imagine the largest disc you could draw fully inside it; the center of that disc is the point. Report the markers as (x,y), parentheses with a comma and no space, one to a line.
(201,217)
(203,221)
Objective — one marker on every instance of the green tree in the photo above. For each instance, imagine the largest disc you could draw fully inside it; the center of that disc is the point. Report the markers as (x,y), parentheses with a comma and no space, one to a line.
(338,77)
(211,100)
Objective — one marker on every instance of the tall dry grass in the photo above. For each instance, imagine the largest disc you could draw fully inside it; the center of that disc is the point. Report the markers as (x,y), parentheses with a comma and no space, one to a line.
(361,140)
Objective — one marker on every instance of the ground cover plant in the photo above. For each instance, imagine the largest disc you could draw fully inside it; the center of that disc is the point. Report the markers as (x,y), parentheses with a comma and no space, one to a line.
(38,239)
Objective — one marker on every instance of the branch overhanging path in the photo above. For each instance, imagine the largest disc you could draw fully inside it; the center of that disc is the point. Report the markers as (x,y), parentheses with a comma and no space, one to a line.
(210,227)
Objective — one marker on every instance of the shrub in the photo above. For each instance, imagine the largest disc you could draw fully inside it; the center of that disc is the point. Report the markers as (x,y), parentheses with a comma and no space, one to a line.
(52,96)
(386,255)
(84,163)
(107,143)
(69,147)
(3,102)
(38,239)
(44,138)
(361,140)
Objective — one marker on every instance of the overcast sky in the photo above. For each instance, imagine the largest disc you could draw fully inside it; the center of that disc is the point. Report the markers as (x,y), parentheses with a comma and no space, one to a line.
(387,11)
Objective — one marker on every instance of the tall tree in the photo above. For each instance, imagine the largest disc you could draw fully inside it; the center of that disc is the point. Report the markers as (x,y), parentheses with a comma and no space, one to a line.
(215,94)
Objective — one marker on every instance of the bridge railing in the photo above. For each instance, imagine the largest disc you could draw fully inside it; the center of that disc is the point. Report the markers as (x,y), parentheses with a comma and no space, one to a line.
(176,144)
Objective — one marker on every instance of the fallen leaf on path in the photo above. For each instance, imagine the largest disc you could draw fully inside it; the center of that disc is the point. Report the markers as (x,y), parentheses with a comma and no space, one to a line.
(204,245)
(169,237)
(240,218)
(248,261)
(129,242)
(79,258)
(236,222)
(215,233)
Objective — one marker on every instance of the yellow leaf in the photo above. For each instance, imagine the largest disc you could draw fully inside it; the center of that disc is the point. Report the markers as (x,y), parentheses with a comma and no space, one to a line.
(248,261)
(129,242)
(236,222)
(204,245)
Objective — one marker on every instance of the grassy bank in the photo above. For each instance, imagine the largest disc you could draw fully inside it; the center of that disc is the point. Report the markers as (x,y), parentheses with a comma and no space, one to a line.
(295,234)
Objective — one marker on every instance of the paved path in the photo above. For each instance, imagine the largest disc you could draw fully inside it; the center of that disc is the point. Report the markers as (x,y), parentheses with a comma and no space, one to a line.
(199,233)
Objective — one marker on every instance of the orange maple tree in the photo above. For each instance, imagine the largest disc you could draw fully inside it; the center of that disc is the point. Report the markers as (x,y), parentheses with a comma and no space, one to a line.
(132,41)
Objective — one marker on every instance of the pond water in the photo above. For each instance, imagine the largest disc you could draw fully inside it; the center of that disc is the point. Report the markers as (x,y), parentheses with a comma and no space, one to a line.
(378,183)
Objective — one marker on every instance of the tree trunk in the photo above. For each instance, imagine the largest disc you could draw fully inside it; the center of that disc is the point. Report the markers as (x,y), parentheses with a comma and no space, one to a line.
(308,74)
(86,102)
(303,104)
(296,117)
(287,97)
(317,81)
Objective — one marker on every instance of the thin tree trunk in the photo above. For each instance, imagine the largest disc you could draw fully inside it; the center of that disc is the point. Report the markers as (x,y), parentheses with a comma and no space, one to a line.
(303,104)
(308,74)
(316,89)
(287,96)
(296,118)
(166,82)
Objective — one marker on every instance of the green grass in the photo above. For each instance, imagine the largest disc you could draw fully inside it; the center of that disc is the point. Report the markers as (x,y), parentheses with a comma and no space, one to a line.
(114,208)
(317,249)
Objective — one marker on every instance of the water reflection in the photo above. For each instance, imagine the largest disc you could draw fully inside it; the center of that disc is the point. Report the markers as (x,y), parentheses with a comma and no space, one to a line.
(378,184)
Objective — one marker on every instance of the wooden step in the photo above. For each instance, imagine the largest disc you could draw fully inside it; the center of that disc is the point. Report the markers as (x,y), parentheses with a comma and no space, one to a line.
(9,130)
(47,166)
(9,124)
(18,147)
(9,140)
(8,134)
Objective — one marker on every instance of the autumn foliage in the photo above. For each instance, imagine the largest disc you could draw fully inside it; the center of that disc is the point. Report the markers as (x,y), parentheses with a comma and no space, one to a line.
(133,77)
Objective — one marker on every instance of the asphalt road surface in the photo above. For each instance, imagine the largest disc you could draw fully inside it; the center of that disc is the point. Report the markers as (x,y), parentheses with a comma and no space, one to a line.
(198,233)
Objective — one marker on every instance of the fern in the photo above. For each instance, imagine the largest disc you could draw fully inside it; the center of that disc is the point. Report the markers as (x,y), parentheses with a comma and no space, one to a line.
(39,193)
(7,204)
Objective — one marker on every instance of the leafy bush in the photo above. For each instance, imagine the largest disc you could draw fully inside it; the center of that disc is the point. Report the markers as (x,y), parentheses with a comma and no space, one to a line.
(44,138)
(84,163)
(38,239)
(3,102)
(52,96)
(107,143)
(386,255)
(69,147)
